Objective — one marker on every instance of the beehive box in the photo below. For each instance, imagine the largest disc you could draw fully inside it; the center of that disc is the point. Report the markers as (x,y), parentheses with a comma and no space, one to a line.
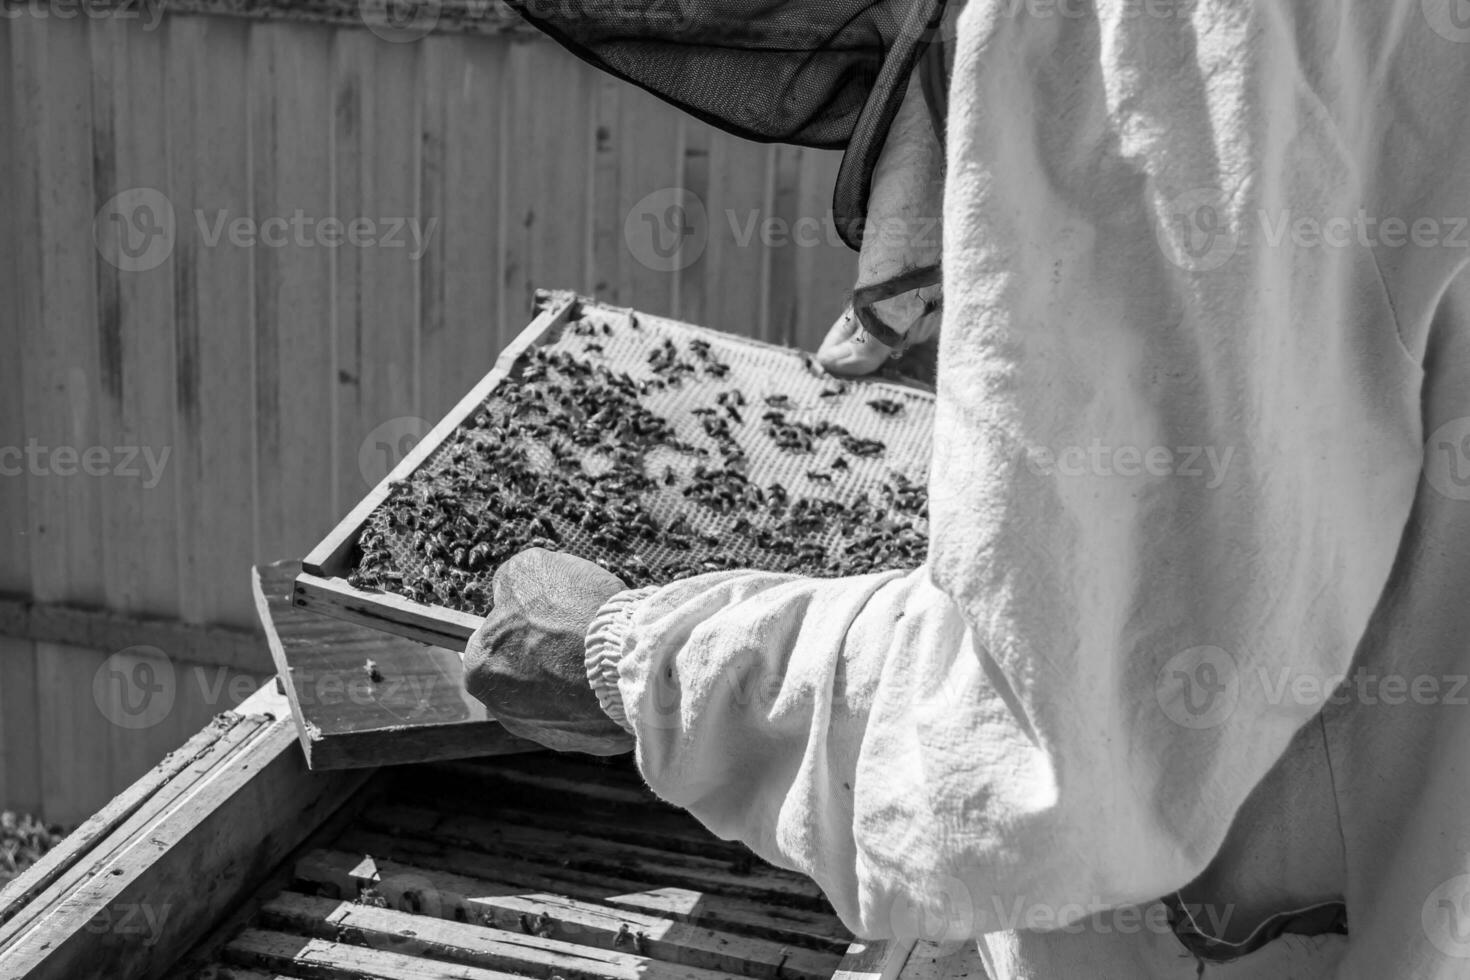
(232,861)
(711,451)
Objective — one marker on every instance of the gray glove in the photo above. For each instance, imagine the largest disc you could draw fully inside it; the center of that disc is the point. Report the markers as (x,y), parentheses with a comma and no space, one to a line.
(527,661)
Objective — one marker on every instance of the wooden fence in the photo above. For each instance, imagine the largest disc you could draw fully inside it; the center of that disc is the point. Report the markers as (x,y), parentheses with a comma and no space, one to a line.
(247,261)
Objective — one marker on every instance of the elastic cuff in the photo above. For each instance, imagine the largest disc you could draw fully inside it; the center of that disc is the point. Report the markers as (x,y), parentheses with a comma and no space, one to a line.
(606,640)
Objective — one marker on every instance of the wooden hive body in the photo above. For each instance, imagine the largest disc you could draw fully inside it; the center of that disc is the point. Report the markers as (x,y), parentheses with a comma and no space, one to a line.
(233,861)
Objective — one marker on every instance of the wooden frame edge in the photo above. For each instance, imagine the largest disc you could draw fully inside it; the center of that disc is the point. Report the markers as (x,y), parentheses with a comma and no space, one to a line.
(257,803)
(875,959)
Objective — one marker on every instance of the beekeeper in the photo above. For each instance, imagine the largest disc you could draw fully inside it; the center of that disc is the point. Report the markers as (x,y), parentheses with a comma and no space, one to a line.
(1180,690)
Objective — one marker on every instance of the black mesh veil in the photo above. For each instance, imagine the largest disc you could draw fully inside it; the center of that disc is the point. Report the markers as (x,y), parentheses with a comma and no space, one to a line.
(821,73)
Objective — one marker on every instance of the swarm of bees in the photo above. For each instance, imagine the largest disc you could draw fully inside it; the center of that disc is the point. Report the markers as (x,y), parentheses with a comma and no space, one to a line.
(559,458)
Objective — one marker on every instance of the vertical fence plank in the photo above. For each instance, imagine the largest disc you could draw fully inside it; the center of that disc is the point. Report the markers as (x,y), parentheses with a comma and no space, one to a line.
(375,143)
(460,323)
(15,563)
(20,727)
(743,235)
(213,316)
(650,165)
(135,302)
(76,737)
(56,279)
(782,313)
(606,247)
(825,275)
(549,98)
(688,228)
(290,91)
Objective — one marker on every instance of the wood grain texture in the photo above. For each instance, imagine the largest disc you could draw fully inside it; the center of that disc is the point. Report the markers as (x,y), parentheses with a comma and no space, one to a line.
(135,311)
(375,303)
(103,629)
(56,274)
(250,808)
(875,959)
(944,961)
(463,322)
(291,155)
(622,890)
(448,895)
(64,866)
(215,458)
(15,559)
(76,736)
(477,945)
(265,369)
(20,727)
(418,710)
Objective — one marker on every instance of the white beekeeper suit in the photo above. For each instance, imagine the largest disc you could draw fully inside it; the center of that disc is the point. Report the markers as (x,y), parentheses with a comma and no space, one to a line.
(1202,451)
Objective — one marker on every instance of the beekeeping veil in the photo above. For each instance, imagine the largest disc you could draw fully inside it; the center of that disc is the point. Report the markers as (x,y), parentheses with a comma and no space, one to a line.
(820,73)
